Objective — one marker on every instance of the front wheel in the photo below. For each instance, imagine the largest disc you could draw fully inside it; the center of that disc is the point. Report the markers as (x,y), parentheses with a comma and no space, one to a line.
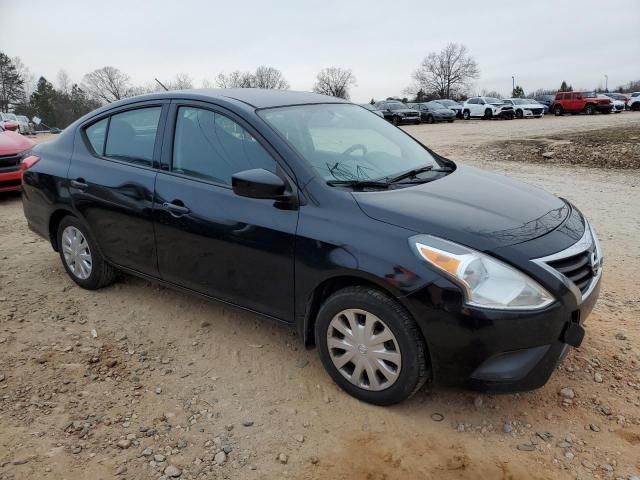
(81,257)
(466,115)
(589,110)
(395,121)
(519,114)
(488,114)
(371,346)
(430,119)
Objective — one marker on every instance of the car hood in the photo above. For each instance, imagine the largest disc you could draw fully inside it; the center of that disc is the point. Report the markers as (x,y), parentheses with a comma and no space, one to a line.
(12,143)
(479,209)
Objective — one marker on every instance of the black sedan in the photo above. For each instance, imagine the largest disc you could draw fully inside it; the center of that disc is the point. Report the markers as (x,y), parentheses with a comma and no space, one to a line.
(431,112)
(397,112)
(399,265)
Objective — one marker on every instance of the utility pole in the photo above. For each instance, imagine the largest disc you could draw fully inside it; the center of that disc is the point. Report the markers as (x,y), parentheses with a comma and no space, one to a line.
(513,84)
(606,82)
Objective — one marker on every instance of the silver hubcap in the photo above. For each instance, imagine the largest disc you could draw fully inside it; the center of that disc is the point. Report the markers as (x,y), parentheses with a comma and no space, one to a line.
(364,350)
(76,252)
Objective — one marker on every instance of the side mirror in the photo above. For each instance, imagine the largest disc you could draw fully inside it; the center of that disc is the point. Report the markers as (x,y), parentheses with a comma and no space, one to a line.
(258,183)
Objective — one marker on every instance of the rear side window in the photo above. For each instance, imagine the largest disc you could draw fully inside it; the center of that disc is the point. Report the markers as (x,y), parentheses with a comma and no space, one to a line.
(96,134)
(132,135)
(213,147)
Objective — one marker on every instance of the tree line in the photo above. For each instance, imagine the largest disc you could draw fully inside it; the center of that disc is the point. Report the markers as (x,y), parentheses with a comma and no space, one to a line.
(449,73)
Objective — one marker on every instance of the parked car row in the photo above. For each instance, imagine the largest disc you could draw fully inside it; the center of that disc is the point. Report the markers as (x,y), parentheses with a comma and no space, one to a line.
(17,123)
(13,150)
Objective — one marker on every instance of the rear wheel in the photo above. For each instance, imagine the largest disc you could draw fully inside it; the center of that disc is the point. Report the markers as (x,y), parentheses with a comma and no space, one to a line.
(80,255)
(557,110)
(371,346)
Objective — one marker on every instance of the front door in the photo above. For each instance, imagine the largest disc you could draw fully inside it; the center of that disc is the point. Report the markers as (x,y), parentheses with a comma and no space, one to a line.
(236,249)
(111,182)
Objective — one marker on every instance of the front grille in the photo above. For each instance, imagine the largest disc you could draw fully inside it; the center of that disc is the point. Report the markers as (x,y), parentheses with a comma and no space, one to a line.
(537,111)
(576,268)
(10,183)
(9,163)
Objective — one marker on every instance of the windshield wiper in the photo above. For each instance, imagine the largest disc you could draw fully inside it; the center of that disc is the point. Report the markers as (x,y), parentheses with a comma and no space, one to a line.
(358,183)
(415,171)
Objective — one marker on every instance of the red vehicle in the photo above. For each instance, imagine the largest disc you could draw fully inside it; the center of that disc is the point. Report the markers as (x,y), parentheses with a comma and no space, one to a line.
(14,159)
(577,102)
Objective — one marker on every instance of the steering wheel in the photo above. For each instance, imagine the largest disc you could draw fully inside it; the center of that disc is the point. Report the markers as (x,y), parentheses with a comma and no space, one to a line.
(353,148)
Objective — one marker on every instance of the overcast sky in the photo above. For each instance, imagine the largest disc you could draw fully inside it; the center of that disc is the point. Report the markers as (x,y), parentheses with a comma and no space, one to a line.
(541,42)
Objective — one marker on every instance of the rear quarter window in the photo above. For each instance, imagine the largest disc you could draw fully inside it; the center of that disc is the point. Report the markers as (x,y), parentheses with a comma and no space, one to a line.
(96,134)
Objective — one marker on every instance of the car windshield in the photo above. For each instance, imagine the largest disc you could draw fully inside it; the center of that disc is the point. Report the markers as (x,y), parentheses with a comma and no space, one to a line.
(520,101)
(447,102)
(492,100)
(397,106)
(436,106)
(343,142)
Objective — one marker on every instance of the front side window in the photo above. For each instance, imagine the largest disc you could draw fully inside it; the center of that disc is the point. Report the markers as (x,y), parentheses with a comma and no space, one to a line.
(210,146)
(96,134)
(343,142)
(132,135)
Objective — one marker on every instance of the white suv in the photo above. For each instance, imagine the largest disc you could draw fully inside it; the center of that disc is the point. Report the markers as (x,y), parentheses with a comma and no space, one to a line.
(486,107)
(525,107)
(634,101)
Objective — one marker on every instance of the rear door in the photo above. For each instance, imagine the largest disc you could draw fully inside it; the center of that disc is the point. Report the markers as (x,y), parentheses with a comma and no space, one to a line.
(111,182)
(236,249)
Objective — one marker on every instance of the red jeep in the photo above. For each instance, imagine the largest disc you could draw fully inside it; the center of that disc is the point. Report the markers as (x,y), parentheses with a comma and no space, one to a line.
(576,102)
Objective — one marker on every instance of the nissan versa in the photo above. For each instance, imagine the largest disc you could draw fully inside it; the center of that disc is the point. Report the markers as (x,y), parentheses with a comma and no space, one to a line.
(401,266)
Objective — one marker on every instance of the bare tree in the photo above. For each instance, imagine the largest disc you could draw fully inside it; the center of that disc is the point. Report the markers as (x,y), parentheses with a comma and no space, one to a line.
(448,72)
(334,81)
(269,77)
(182,81)
(235,79)
(11,84)
(64,82)
(490,93)
(107,84)
(27,76)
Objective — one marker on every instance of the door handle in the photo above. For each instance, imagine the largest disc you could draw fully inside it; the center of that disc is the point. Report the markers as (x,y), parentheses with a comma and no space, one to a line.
(79,184)
(175,210)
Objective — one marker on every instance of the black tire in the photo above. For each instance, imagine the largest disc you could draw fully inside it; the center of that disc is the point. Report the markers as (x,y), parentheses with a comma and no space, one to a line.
(488,114)
(414,371)
(102,273)
(395,120)
(430,119)
(519,114)
(589,109)
(466,115)
(557,110)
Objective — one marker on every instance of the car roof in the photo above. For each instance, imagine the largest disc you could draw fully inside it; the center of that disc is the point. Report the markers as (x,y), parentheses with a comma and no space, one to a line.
(255,97)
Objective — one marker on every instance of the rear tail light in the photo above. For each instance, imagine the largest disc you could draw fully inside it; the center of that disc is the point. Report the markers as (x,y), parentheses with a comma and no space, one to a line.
(29,162)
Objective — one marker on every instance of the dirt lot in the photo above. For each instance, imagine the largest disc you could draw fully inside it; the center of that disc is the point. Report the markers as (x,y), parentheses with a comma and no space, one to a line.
(170,380)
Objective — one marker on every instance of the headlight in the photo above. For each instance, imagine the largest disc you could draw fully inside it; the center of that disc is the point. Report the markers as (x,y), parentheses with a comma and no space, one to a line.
(486,281)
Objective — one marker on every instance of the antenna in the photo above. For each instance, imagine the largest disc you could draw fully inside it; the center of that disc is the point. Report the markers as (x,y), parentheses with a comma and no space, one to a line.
(161,84)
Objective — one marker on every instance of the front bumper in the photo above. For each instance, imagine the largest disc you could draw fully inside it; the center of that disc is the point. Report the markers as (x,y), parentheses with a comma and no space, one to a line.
(506,350)
(496,350)
(11,181)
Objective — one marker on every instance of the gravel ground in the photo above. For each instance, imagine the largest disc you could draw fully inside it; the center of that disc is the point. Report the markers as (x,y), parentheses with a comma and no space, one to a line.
(138,381)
